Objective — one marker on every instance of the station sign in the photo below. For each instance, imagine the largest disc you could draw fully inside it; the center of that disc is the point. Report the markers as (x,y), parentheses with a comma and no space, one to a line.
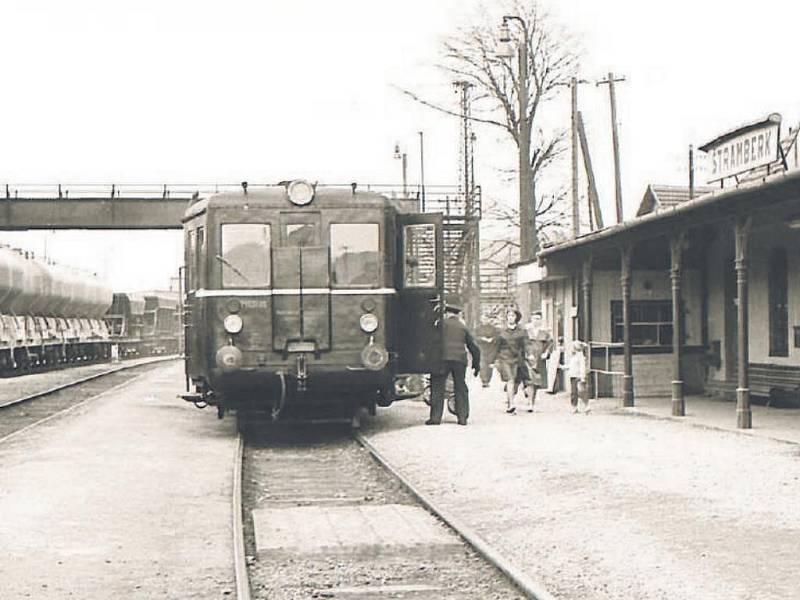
(744,149)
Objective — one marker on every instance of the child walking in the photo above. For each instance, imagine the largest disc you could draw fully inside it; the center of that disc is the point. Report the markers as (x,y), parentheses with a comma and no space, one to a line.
(576,369)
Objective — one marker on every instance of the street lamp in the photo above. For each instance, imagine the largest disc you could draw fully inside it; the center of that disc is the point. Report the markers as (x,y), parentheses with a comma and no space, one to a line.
(504,35)
(403,157)
(527,233)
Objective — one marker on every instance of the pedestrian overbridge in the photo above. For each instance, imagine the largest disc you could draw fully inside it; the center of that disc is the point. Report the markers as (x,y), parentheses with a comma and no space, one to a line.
(98,206)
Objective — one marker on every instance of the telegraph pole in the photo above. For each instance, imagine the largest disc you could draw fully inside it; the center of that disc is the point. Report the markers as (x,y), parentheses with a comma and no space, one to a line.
(615,138)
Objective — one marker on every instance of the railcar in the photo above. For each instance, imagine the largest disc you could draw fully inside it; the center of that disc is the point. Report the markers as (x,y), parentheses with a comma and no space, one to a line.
(309,301)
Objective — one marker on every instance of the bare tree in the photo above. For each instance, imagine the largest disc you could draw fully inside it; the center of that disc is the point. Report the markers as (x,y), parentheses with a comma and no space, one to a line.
(510,91)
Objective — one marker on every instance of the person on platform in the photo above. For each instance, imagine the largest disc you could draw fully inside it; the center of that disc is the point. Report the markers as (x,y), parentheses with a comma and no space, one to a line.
(457,340)
(486,334)
(540,343)
(576,370)
(510,360)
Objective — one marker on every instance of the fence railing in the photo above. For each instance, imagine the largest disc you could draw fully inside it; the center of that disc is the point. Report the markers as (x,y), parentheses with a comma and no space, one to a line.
(606,371)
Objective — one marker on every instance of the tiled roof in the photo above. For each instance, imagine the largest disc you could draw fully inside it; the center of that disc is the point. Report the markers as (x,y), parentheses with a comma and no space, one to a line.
(659,197)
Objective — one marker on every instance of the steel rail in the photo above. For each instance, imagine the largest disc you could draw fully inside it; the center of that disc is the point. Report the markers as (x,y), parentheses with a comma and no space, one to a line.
(72,407)
(239,558)
(77,382)
(525,584)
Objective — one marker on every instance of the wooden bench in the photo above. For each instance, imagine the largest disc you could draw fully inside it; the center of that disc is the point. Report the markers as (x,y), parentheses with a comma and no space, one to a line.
(779,383)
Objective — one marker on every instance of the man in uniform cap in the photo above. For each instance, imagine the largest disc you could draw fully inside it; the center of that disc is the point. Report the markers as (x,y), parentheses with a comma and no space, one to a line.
(457,340)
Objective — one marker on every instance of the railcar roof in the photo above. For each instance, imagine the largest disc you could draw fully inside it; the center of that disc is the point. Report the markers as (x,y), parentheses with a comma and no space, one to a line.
(277,197)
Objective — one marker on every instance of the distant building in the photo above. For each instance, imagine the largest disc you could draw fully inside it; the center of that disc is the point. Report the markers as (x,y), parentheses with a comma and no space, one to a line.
(662,197)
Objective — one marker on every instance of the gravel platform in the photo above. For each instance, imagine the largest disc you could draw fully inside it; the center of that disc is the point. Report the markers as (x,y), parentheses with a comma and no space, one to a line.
(327,469)
(128,496)
(609,505)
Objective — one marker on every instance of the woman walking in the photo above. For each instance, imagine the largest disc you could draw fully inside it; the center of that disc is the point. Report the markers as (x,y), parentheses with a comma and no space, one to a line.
(540,344)
(510,359)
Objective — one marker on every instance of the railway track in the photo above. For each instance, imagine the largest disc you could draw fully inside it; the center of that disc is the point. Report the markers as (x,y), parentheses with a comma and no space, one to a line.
(326,516)
(19,414)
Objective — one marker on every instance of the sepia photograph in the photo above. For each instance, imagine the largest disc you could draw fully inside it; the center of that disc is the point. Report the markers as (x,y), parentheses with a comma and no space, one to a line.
(368,300)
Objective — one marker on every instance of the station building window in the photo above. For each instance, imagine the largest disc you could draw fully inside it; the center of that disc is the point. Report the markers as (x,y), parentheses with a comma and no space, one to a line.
(245,258)
(778,303)
(355,254)
(651,322)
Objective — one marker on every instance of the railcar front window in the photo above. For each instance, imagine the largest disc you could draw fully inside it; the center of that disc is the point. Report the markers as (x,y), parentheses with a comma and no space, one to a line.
(419,254)
(301,234)
(355,254)
(245,256)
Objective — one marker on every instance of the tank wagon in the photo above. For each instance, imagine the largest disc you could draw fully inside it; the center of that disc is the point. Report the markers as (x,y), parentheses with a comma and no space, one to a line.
(309,301)
(49,314)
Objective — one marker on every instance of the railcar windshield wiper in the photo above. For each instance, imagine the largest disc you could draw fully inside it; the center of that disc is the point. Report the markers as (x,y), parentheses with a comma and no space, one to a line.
(232,268)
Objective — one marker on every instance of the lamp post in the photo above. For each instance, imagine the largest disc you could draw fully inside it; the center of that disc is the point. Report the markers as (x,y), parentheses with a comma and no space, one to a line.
(403,157)
(528,238)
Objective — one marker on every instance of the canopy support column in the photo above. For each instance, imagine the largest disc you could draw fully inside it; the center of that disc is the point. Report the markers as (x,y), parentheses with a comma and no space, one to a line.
(676,255)
(625,281)
(744,417)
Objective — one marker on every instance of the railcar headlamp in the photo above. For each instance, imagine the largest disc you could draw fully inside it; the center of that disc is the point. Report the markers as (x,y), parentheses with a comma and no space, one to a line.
(300,192)
(233,323)
(368,323)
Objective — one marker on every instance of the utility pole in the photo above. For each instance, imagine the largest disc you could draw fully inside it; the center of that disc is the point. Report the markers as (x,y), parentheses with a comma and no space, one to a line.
(403,157)
(465,145)
(470,278)
(576,227)
(594,199)
(615,138)
(422,170)
(691,172)
(576,218)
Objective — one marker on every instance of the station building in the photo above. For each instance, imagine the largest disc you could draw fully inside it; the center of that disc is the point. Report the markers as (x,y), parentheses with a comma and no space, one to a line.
(694,295)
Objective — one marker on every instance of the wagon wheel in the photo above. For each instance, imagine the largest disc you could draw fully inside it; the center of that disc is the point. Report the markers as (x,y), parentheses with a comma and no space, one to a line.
(449,395)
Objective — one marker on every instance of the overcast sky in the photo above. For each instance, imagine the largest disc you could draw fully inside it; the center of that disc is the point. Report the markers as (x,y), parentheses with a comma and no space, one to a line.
(184,91)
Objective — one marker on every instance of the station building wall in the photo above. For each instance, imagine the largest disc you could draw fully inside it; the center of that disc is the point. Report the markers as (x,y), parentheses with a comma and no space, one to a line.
(719,259)
(652,365)
(559,306)
(720,265)
(645,285)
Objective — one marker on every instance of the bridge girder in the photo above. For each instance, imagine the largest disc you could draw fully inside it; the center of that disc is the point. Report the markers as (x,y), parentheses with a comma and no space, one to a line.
(19,214)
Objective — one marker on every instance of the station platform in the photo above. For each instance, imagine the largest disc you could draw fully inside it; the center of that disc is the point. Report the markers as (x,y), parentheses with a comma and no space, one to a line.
(781,424)
(128,496)
(615,503)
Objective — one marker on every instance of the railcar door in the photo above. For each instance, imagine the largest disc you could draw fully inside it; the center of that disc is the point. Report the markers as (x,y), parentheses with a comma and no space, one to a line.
(420,285)
(301,303)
